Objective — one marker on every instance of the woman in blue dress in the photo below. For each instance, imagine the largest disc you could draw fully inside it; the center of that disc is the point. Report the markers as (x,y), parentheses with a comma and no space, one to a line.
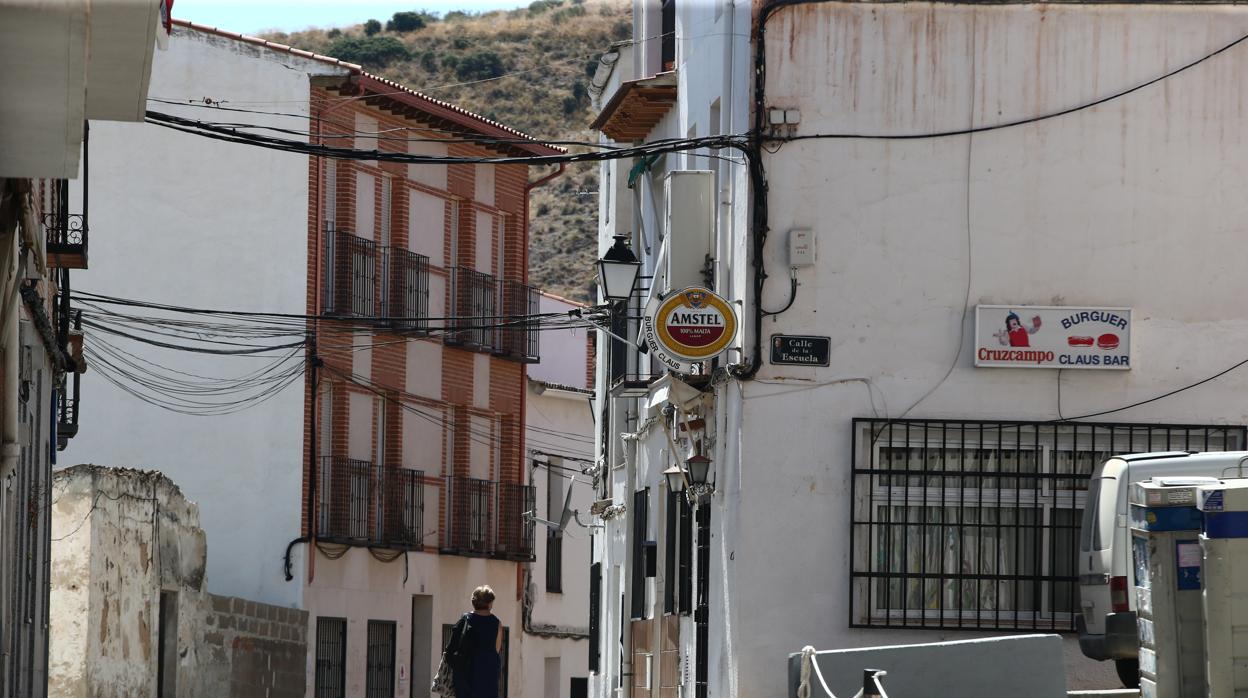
(485,642)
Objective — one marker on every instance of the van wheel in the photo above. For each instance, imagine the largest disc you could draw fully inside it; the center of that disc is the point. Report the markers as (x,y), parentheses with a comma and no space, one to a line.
(1128,672)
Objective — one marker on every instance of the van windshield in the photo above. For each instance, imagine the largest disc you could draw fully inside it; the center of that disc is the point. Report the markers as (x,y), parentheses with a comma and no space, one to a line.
(1098,514)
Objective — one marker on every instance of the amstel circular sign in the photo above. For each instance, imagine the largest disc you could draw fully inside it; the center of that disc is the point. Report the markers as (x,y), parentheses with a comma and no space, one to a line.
(690,325)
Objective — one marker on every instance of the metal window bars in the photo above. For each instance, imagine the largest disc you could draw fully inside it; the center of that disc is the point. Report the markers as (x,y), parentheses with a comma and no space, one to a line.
(379,667)
(474,302)
(366,504)
(331,658)
(407,293)
(975,524)
(367,280)
(518,336)
(486,518)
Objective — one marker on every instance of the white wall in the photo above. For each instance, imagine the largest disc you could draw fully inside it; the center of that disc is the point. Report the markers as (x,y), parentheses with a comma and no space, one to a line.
(360,588)
(182,219)
(1134,203)
(559,431)
(1131,204)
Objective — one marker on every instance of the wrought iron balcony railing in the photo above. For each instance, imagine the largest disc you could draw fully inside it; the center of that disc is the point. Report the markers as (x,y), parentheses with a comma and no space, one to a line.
(350,275)
(486,519)
(367,280)
(66,240)
(406,296)
(366,504)
(474,304)
(518,330)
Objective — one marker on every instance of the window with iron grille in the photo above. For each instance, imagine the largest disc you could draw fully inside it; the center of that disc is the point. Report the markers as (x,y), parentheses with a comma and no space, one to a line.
(678,562)
(975,525)
(701,614)
(331,657)
(595,608)
(554,537)
(473,300)
(379,676)
(641,500)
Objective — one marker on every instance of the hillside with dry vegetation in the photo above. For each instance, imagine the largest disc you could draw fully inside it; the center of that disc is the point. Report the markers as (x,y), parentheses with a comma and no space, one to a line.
(528,68)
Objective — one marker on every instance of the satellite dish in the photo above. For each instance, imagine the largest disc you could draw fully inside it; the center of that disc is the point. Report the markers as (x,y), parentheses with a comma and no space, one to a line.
(565,517)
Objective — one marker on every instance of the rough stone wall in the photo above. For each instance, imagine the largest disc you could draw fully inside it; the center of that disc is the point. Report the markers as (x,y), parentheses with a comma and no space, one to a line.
(264,646)
(121,538)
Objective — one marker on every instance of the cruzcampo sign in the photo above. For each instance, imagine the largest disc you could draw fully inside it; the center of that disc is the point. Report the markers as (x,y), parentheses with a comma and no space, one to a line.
(1023,336)
(688,326)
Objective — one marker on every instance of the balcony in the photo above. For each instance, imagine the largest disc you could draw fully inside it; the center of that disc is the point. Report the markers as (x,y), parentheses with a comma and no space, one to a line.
(65,233)
(350,275)
(370,281)
(406,296)
(474,302)
(636,108)
(486,519)
(492,315)
(370,505)
(517,339)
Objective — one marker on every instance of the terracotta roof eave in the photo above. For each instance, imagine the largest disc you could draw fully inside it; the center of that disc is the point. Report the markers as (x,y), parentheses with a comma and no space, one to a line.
(667,79)
(379,85)
(436,107)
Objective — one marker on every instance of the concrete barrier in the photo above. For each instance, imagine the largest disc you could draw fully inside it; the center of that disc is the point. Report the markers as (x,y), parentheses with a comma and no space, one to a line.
(1019,666)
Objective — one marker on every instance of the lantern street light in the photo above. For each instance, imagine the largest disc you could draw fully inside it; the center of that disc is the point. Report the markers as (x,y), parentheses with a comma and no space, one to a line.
(697,472)
(675,478)
(618,270)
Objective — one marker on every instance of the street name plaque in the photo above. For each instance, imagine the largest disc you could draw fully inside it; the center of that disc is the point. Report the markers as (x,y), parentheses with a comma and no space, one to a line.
(800,350)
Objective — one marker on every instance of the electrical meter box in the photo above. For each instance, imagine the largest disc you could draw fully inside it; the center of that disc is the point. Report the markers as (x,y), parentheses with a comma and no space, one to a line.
(1165,541)
(1224,545)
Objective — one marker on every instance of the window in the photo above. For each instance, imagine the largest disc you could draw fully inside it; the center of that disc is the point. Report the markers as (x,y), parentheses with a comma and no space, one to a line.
(667,45)
(379,676)
(167,654)
(701,614)
(331,194)
(331,657)
(595,610)
(678,551)
(554,537)
(641,502)
(976,524)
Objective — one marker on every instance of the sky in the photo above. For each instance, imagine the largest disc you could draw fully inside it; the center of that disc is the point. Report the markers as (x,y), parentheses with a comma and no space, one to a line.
(254,16)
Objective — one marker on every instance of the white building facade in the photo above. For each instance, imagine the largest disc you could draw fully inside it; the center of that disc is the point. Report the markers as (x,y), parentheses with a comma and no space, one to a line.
(212,212)
(900,493)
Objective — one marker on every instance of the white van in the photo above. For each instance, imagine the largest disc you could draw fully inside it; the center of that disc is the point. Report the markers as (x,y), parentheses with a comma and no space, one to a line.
(1106,625)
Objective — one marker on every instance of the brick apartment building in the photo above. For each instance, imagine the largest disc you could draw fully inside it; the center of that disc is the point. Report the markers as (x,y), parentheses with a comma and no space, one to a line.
(418,442)
(397,480)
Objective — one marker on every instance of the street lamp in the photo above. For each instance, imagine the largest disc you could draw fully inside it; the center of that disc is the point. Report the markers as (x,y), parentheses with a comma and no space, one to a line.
(675,479)
(699,469)
(617,271)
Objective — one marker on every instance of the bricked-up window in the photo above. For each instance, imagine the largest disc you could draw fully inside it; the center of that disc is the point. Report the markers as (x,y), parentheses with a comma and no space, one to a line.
(331,658)
(379,671)
(961,524)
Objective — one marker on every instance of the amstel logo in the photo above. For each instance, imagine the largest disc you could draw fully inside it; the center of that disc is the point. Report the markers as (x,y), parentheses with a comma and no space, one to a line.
(695,324)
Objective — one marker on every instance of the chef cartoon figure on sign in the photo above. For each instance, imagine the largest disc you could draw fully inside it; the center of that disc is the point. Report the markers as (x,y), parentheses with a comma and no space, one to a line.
(1014,334)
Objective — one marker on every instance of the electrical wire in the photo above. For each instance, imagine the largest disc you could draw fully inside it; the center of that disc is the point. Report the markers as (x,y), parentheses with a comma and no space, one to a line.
(209,130)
